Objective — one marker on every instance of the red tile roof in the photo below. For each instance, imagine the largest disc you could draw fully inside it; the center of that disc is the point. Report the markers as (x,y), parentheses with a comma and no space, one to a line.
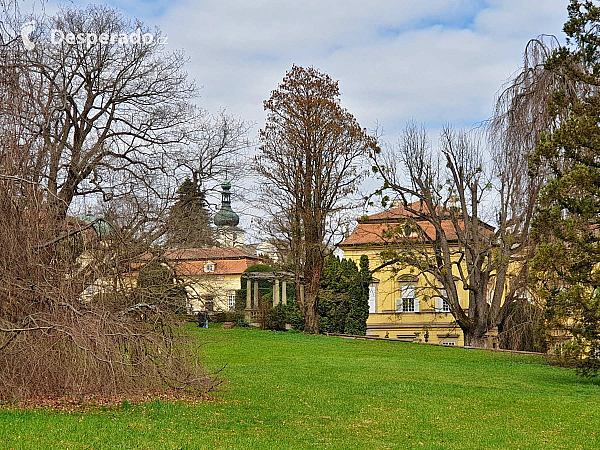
(208,253)
(191,261)
(398,212)
(222,267)
(378,229)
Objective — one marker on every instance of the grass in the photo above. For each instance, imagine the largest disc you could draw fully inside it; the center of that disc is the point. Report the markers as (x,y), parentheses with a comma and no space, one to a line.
(288,390)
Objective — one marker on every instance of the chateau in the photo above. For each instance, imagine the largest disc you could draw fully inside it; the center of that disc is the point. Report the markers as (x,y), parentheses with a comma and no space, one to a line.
(402,303)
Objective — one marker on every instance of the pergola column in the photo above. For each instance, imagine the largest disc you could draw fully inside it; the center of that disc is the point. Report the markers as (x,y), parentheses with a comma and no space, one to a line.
(248,293)
(275,292)
(284,293)
(256,295)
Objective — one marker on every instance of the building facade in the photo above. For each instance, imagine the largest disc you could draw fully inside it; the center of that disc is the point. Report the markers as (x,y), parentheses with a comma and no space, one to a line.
(403,303)
(210,275)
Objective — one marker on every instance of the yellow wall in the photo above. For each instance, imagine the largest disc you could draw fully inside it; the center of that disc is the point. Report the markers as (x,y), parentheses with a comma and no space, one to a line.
(219,286)
(440,327)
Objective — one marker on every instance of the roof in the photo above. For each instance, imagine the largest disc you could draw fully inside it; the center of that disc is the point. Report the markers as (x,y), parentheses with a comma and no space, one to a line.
(397,213)
(226,217)
(208,253)
(221,267)
(191,261)
(377,229)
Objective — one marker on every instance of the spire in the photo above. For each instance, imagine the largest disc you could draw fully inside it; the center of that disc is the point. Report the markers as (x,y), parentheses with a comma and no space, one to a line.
(226,217)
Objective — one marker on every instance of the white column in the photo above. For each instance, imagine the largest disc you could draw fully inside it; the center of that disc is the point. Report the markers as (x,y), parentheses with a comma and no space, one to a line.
(284,293)
(276,293)
(248,293)
(256,306)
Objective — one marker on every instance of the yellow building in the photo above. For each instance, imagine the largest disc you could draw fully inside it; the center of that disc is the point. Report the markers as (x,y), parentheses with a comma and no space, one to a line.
(403,303)
(211,275)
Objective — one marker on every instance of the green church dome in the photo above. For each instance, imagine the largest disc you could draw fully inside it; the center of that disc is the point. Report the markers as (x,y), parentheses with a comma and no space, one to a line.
(100,226)
(226,217)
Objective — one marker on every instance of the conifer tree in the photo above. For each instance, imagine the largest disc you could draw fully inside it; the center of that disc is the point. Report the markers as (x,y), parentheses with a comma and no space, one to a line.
(189,223)
(566,268)
(356,323)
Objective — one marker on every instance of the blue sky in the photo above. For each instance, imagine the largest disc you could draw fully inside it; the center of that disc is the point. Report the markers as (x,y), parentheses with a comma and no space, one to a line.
(433,61)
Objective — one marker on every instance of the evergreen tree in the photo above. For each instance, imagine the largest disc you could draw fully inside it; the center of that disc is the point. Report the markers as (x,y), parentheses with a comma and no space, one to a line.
(356,322)
(189,223)
(566,268)
(344,296)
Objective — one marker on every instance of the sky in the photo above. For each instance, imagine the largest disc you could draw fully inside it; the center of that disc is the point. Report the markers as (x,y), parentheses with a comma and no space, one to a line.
(435,62)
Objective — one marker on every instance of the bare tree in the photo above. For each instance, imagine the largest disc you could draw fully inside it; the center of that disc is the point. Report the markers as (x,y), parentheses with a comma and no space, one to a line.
(59,125)
(103,109)
(449,197)
(309,161)
(216,153)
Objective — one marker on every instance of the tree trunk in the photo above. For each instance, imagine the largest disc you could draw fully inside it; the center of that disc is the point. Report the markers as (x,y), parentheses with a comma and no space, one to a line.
(475,339)
(311,318)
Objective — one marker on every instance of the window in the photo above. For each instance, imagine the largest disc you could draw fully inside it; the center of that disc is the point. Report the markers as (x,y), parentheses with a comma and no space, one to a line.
(449,343)
(409,301)
(441,305)
(209,267)
(373,298)
(231,301)
(408,304)
(445,306)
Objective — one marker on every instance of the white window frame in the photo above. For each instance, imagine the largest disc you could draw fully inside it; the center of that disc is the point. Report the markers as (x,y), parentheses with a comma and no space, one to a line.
(445,306)
(441,305)
(373,288)
(409,302)
(209,267)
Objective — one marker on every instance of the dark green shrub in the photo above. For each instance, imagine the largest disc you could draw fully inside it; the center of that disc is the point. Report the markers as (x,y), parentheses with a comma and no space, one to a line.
(358,311)
(281,315)
(344,296)
(294,316)
(333,311)
(276,318)
(242,323)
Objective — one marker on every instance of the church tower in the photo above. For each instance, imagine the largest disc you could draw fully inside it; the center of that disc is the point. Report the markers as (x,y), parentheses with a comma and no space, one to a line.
(226,221)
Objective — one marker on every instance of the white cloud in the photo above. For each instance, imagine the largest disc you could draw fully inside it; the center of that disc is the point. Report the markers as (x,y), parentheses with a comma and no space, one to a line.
(434,61)
(395,60)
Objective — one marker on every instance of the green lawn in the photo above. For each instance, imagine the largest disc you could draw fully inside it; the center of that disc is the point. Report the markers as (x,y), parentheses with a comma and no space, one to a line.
(288,390)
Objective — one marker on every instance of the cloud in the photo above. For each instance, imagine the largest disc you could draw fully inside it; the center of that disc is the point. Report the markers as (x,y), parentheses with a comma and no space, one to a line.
(434,61)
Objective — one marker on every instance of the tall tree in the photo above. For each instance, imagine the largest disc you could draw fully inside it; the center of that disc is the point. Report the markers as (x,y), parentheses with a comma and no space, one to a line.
(111,116)
(358,313)
(566,266)
(107,113)
(189,223)
(309,161)
(67,114)
(447,199)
